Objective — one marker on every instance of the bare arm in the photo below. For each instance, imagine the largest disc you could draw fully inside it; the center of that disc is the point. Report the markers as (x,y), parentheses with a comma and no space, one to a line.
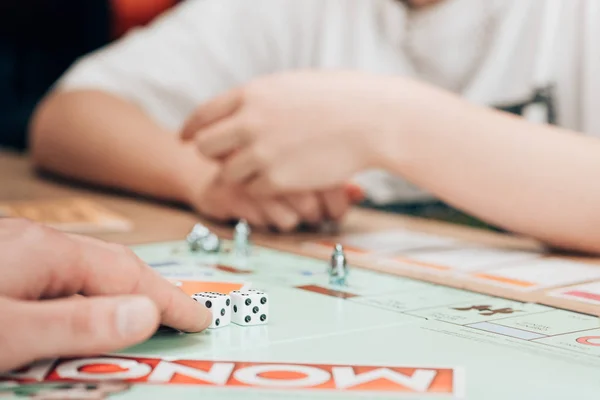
(532,179)
(100,138)
(106,123)
(536,180)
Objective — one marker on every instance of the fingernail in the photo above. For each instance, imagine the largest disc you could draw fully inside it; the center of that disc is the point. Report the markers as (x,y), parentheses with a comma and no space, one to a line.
(203,311)
(207,317)
(135,316)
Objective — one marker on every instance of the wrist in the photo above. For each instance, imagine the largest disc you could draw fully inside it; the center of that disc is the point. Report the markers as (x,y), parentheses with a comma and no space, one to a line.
(387,143)
(192,175)
(417,133)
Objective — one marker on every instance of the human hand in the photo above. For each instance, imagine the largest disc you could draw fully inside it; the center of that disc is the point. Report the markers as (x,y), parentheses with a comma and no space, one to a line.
(225,202)
(43,311)
(295,131)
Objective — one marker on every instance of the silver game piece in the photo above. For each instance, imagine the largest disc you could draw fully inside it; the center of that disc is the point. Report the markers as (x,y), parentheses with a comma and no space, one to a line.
(211,243)
(196,237)
(241,238)
(338,269)
(200,231)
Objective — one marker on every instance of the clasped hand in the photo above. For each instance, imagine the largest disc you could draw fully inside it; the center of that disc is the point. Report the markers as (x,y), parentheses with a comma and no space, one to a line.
(295,132)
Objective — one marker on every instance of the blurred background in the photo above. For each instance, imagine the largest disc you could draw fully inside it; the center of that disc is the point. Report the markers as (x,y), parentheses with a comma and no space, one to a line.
(40,39)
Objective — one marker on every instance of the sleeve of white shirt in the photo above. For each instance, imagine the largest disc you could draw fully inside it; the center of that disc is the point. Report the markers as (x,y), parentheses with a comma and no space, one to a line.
(196,51)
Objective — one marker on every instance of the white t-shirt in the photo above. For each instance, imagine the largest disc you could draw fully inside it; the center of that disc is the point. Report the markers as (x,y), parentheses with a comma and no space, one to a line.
(489,51)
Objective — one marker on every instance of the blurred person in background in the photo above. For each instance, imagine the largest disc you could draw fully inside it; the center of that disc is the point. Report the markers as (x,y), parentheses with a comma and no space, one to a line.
(284,97)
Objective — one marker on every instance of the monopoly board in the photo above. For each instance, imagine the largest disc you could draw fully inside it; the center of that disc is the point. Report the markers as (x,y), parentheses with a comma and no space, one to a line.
(381,336)
(528,274)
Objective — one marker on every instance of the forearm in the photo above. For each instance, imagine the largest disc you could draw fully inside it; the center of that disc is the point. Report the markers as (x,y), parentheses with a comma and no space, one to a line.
(99,138)
(532,179)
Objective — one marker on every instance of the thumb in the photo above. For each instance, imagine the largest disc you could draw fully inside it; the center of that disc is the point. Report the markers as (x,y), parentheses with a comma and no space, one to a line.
(77,326)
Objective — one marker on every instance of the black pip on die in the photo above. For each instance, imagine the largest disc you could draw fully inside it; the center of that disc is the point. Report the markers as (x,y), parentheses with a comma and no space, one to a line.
(219,305)
(249,307)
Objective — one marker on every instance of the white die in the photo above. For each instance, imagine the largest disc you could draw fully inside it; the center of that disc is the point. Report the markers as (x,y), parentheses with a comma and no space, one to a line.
(249,307)
(219,306)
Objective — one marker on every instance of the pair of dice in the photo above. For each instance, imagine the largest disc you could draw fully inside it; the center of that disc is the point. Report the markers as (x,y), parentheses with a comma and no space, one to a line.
(245,308)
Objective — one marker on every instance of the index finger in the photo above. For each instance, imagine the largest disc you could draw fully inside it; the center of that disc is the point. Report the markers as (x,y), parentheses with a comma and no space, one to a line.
(39,262)
(211,112)
(116,270)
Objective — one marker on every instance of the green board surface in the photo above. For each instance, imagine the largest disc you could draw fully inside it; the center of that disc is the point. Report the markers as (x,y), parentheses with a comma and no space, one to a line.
(381,336)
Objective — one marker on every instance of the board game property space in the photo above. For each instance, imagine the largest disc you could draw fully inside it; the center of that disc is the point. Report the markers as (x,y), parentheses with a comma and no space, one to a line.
(380,335)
